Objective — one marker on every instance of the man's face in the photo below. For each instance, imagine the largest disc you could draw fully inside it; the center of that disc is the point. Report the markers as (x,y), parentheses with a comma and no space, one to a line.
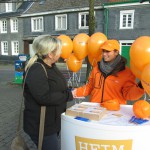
(109,56)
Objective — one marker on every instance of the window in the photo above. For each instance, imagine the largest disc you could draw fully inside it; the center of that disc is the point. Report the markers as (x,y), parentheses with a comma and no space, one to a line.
(15,47)
(37,24)
(3,26)
(126,19)
(61,22)
(8,7)
(4,47)
(14,25)
(83,20)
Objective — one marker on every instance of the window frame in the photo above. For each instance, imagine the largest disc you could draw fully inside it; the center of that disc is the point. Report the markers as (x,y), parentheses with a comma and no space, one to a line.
(14,25)
(41,29)
(126,13)
(3,48)
(3,28)
(61,26)
(13,48)
(80,24)
(9,7)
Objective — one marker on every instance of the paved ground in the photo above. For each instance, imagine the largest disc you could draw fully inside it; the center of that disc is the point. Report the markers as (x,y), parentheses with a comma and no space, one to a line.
(10,101)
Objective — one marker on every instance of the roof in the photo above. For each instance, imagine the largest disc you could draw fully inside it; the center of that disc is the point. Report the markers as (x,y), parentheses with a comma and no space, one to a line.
(23,7)
(118,1)
(52,5)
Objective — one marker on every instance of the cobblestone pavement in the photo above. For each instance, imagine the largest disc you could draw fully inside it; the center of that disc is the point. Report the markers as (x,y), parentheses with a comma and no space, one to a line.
(10,101)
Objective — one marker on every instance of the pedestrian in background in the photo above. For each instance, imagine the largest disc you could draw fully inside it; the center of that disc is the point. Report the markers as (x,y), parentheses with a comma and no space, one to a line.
(111,78)
(42,91)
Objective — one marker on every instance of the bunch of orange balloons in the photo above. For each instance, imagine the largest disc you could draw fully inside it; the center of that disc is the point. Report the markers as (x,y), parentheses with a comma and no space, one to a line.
(74,51)
(140,60)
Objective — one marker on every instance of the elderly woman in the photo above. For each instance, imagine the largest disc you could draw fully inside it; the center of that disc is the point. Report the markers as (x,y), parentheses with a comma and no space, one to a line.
(41,90)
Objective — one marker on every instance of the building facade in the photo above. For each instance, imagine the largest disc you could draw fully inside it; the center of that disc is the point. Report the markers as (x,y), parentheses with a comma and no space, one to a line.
(11,30)
(124,20)
(57,18)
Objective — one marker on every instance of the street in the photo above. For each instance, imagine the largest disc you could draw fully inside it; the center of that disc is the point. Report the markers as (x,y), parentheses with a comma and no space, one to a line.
(10,101)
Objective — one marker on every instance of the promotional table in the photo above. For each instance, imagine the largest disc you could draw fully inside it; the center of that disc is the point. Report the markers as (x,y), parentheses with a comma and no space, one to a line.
(112,132)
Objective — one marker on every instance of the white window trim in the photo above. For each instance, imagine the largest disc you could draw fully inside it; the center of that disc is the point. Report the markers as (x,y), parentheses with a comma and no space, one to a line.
(79,20)
(9,7)
(121,18)
(13,48)
(32,25)
(2,48)
(127,42)
(11,25)
(56,22)
(1,26)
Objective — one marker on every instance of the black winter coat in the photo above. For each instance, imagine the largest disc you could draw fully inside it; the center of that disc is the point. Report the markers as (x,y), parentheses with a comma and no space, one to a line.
(40,91)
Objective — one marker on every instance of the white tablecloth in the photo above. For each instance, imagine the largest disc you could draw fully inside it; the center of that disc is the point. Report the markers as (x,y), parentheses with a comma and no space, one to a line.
(113,130)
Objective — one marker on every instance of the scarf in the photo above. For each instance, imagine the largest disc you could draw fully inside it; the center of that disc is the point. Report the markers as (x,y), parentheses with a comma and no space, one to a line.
(108,67)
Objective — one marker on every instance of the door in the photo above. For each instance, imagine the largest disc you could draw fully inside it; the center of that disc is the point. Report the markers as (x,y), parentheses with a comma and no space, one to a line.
(125,52)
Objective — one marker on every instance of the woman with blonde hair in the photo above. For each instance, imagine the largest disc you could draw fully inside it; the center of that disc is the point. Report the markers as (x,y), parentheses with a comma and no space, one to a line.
(41,90)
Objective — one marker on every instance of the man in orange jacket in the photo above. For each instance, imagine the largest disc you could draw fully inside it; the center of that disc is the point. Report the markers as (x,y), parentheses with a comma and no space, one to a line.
(111,78)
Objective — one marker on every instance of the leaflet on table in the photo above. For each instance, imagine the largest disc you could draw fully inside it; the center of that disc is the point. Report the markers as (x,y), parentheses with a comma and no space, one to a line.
(91,112)
(94,112)
(120,118)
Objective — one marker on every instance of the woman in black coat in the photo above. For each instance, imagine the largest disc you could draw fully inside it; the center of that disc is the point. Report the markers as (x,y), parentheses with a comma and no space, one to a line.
(41,90)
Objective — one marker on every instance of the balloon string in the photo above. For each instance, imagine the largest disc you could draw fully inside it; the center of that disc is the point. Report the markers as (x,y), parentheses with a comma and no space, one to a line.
(75,79)
(145,96)
(69,80)
(80,74)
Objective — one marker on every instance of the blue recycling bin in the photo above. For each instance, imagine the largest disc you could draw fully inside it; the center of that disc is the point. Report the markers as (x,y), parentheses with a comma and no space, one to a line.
(19,68)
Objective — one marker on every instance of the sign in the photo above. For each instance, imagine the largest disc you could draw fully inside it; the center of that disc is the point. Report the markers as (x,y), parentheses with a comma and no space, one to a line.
(23,57)
(97,144)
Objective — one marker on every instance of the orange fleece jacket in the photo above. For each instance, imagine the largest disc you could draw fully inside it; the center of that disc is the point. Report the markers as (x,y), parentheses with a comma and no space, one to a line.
(122,87)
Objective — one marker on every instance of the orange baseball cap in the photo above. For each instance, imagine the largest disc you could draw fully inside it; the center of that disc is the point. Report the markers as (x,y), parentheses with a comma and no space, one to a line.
(111,45)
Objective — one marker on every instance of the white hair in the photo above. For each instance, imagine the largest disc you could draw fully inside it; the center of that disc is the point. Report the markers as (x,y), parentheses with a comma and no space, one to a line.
(42,46)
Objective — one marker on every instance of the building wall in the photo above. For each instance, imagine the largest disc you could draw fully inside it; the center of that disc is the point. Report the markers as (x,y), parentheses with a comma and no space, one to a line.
(72,25)
(9,37)
(141,23)
(13,36)
(2,7)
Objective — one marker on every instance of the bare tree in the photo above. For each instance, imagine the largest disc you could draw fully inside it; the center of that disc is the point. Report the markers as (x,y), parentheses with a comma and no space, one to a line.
(91,31)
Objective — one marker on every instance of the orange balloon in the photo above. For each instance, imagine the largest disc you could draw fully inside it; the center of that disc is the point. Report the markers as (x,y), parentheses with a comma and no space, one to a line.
(94,43)
(112,104)
(145,78)
(141,109)
(140,52)
(80,45)
(67,46)
(73,63)
(93,60)
(135,70)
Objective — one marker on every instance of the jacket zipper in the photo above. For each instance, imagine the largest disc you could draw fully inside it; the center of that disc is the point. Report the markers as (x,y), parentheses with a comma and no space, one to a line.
(103,90)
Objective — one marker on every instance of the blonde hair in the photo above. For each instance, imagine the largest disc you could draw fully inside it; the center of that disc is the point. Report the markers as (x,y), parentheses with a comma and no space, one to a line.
(43,45)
